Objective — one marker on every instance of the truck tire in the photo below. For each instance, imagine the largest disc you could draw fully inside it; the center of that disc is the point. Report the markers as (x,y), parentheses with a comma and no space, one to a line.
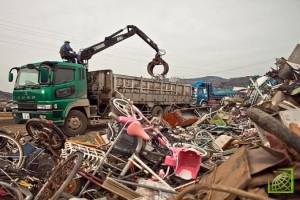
(75,123)
(194,102)
(157,111)
(204,104)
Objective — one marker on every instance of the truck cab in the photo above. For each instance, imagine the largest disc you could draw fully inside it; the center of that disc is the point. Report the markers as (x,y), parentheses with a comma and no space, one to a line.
(204,93)
(51,90)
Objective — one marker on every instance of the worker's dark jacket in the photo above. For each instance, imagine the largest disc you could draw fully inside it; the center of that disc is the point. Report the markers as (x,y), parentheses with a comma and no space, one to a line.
(65,50)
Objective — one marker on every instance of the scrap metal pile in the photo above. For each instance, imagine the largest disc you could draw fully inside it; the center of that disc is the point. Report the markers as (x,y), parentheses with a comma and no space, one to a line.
(233,152)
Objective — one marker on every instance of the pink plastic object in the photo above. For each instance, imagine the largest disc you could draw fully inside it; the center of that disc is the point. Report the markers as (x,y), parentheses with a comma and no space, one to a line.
(136,129)
(172,160)
(125,120)
(188,163)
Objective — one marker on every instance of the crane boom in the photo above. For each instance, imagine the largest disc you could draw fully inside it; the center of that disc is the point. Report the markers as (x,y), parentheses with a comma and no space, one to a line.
(130,30)
(113,39)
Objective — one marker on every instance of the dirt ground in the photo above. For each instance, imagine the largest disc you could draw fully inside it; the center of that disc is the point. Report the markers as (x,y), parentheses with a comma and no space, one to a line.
(6,121)
(11,125)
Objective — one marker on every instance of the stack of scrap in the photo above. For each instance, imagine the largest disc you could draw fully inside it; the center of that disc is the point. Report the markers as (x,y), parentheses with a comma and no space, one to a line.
(246,149)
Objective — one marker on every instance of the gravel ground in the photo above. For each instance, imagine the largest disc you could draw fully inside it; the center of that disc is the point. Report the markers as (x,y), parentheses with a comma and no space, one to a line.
(11,125)
(7,122)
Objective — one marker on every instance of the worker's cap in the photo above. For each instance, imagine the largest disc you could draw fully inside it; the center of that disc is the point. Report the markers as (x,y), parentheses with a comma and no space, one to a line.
(67,41)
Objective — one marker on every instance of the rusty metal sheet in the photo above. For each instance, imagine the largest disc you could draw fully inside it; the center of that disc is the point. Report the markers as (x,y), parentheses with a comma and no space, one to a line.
(263,158)
(234,172)
(259,191)
(261,179)
(177,118)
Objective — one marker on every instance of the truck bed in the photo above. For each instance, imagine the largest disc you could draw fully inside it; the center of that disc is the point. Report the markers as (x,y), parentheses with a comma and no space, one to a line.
(103,83)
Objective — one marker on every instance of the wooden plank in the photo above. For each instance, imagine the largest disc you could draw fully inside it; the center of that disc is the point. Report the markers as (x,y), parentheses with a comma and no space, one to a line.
(223,140)
(290,116)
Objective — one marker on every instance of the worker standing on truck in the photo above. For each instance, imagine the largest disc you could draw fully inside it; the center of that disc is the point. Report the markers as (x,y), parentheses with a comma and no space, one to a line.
(66,52)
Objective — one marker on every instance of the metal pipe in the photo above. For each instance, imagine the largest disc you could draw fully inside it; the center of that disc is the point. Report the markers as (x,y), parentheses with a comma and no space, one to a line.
(275,127)
(151,171)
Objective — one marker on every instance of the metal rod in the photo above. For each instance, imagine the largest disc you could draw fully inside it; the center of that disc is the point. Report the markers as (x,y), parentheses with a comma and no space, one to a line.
(131,175)
(257,89)
(151,171)
(103,159)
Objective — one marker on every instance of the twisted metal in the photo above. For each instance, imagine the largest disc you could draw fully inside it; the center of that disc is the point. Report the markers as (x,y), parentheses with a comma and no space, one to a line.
(91,156)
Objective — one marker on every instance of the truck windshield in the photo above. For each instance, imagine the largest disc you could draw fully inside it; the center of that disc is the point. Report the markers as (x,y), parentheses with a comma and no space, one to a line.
(27,77)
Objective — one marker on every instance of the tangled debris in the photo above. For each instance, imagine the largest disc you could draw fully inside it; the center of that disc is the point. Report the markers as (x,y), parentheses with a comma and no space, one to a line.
(232,152)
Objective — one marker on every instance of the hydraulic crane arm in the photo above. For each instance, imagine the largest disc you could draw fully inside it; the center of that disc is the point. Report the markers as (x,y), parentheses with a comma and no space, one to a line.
(86,54)
(115,38)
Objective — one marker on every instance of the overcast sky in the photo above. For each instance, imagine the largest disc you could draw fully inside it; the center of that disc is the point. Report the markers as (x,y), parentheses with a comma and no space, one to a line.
(227,38)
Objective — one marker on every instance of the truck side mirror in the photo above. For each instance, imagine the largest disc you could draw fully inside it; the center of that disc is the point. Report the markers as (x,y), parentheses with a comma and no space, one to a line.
(10,76)
(44,75)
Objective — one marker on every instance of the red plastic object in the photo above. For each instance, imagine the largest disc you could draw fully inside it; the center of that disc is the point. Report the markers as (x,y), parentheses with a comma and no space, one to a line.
(172,160)
(188,163)
(136,129)
(185,161)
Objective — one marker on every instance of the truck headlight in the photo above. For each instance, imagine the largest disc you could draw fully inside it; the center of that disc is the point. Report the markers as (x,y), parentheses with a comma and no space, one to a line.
(14,106)
(44,106)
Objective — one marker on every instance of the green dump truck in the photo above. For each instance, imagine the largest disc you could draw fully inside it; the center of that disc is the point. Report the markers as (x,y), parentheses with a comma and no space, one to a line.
(71,96)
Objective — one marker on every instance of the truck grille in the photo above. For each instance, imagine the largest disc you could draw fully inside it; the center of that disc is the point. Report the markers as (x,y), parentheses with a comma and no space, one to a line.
(27,106)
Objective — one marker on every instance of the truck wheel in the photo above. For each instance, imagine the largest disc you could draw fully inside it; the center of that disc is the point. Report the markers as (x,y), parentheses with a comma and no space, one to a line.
(194,102)
(157,111)
(75,123)
(204,104)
